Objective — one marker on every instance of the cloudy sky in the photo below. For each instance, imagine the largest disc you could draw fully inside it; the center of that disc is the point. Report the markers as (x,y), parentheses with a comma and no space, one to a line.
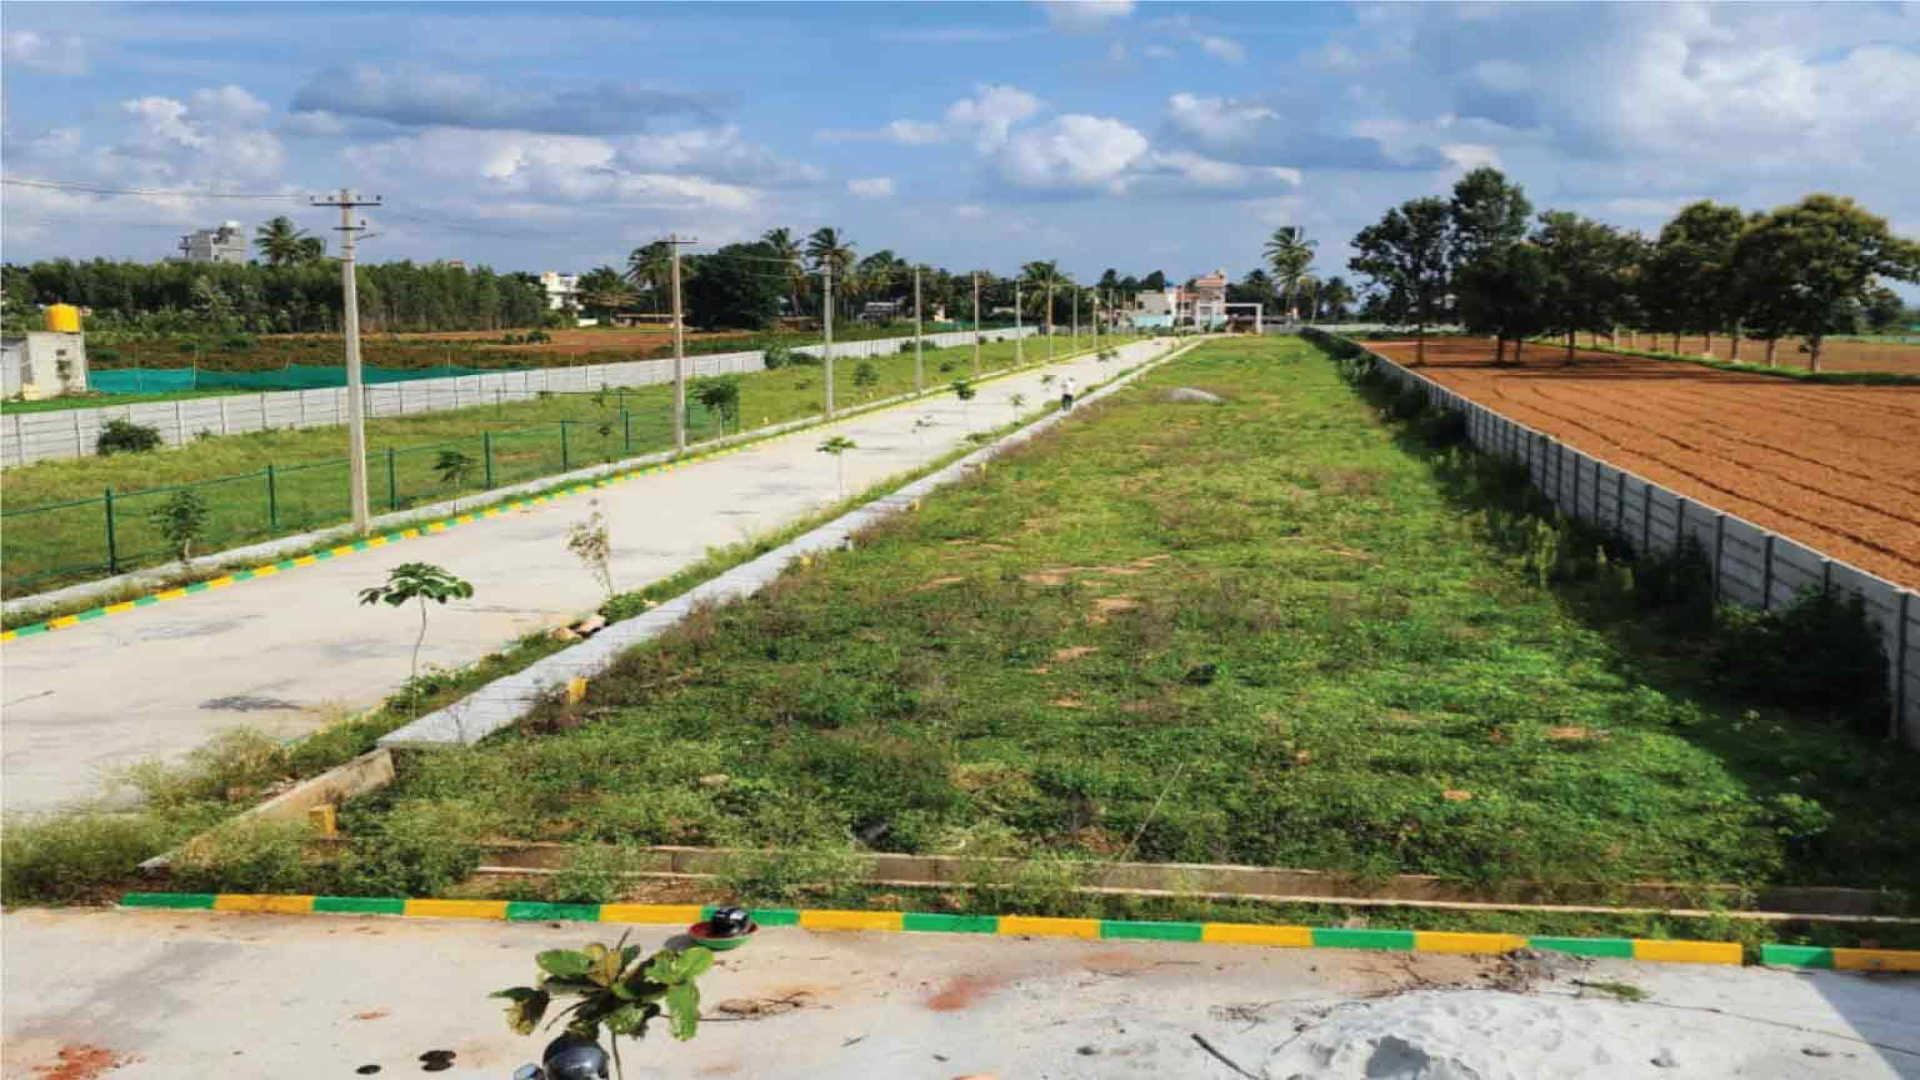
(1141,136)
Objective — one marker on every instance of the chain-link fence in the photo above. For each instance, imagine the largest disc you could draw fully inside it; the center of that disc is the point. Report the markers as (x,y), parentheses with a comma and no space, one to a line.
(48,545)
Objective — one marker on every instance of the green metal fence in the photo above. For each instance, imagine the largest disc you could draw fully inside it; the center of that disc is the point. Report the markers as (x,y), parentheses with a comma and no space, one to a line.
(46,546)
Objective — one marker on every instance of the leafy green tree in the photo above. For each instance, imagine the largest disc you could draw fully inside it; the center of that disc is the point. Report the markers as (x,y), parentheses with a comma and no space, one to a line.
(719,395)
(1803,265)
(1336,298)
(1589,273)
(1691,286)
(454,467)
(731,288)
(422,582)
(786,247)
(181,522)
(1503,292)
(281,243)
(837,447)
(650,270)
(591,542)
(1404,255)
(1883,310)
(1488,213)
(1290,253)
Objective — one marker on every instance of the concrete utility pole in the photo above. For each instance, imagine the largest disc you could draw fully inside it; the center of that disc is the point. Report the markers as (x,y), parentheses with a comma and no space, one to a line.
(1076,316)
(919,368)
(1049,319)
(826,313)
(976,324)
(1019,346)
(350,324)
(679,350)
(1095,298)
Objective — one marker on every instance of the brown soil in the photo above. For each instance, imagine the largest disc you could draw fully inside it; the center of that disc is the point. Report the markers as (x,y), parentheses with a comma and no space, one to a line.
(81,1063)
(1833,467)
(1887,356)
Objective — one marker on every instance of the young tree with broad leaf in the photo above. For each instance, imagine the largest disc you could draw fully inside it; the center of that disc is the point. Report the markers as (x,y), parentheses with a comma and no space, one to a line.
(422,582)
(619,989)
(1404,255)
(837,446)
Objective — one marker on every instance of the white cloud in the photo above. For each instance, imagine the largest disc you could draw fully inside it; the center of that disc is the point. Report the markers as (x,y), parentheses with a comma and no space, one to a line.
(56,54)
(914,133)
(872,187)
(1221,47)
(970,210)
(1218,121)
(219,138)
(1470,155)
(1072,153)
(990,113)
(1085,16)
(718,153)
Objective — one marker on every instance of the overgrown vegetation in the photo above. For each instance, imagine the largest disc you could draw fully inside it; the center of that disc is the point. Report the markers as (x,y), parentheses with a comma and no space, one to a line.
(1269,632)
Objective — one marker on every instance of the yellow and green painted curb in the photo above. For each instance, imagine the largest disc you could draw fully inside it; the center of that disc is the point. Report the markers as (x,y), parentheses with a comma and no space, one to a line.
(429,528)
(1292,937)
(411,533)
(1815,956)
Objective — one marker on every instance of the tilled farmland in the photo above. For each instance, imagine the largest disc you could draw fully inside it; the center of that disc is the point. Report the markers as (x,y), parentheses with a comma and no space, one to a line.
(1834,467)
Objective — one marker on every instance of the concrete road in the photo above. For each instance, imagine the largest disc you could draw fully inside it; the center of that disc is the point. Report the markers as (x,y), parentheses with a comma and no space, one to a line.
(287,653)
(168,995)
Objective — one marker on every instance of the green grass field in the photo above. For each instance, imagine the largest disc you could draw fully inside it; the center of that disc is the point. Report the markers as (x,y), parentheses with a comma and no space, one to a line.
(42,549)
(1275,631)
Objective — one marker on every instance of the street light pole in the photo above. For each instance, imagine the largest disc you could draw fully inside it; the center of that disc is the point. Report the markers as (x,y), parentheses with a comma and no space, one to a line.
(919,368)
(356,395)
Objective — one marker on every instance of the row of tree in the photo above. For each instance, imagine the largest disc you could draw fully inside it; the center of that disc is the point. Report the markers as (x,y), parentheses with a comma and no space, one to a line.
(289,295)
(1483,258)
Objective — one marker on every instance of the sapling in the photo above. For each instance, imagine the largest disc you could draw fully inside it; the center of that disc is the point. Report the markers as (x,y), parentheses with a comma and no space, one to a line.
(620,989)
(454,467)
(1018,401)
(920,427)
(591,544)
(181,521)
(866,377)
(838,446)
(965,391)
(422,582)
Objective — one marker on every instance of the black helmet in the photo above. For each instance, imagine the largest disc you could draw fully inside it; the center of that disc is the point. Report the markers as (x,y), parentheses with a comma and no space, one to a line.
(729,922)
(571,1057)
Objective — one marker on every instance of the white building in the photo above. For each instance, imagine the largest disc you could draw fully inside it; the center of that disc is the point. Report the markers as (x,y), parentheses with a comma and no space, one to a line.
(226,244)
(563,290)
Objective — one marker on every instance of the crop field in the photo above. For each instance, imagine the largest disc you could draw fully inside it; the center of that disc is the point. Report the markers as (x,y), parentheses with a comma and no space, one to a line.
(1268,631)
(42,549)
(1834,467)
(1893,354)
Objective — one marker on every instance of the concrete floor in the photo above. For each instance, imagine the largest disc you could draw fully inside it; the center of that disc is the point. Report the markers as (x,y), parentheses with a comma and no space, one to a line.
(201,994)
(287,653)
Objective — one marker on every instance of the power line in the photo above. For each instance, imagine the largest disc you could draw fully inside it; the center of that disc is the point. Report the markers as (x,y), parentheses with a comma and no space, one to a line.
(88,188)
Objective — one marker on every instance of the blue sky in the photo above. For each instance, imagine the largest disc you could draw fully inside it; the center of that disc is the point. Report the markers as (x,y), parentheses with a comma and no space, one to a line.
(1140,136)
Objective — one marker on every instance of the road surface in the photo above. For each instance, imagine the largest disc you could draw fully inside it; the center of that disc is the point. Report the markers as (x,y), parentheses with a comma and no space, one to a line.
(287,653)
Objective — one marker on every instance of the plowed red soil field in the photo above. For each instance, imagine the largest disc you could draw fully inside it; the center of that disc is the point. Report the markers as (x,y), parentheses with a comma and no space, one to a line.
(1838,354)
(1835,467)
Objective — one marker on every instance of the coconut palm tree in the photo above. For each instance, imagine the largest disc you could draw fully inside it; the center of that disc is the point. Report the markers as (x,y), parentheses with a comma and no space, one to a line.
(650,269)
(786,247)
(1043,280)
(827,247)
(280,241)
(1289,252)
(312,249)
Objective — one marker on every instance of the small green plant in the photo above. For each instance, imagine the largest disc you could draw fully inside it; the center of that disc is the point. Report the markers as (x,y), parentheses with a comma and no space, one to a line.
(422,582)
(920,426)
(1047,379)
(964,389)
(866,376)
(245,855)
(591,544)
(838,447)
(1018,401)
(776,357)
(421,848)
(181,521)
(454,467)
(595,874)
(720,394)
(126,437)
(619,990)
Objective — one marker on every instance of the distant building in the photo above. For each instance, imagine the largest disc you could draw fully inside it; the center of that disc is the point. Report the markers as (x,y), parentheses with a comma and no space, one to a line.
(226,244)
(563,290)
(1155,308)
(1207,301)
(455,264)
(881,311)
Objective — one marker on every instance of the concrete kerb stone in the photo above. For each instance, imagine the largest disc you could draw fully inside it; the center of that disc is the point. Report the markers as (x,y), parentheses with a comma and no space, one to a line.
(424,517)
(504,701)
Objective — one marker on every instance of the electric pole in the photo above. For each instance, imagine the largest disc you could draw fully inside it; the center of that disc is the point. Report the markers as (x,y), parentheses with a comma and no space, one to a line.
(919,368)
(350,323)
(826,312)
(1095,301)
(1049,318)
(1076,316)
(675,242)
(976,324)
(1019,346)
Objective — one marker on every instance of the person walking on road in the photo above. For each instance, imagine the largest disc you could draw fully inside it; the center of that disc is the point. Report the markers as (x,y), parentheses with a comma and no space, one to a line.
(1066,392)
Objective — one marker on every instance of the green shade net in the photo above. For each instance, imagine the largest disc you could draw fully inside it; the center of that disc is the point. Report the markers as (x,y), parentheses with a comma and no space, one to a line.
(291,377)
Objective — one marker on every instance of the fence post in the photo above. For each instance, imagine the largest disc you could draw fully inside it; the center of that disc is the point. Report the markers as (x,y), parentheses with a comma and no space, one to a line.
(223,415)
(1766,574)
(1904,616)
(626,431)
(486,449)
(1620,503)
(273,500)
(303,407)
(393,492)
(263,412)
(77,452)
(179,425)
(1679,525)
(1646,518)
(113,544)
(563,446)
(1575,501)
(1719,550)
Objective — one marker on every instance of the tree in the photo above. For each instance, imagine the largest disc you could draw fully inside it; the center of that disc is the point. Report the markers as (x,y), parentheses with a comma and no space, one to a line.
(1589,267)
(1691,285)
(1042,281)
(280,242)
(1154,282)
(1336,298)
(837,446)
(719,395)
(650,269)
(1487,214)
(1804,264)
(620,988)
(181,521)
(1503,292)
(1884,310)
(591,542)
(787,248)
(732,288)
(1404,254)
(827,248)
(1290,253)
(417,581)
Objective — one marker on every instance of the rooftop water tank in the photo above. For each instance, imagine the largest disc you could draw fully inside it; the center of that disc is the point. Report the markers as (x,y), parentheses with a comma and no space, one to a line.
(63,319)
